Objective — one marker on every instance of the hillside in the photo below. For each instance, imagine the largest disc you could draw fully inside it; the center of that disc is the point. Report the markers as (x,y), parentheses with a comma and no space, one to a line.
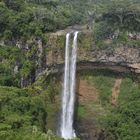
(32,57)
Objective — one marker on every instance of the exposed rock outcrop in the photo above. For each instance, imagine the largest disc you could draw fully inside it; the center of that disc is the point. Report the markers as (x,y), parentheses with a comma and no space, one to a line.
(115,91)
(126,57)
(122,59)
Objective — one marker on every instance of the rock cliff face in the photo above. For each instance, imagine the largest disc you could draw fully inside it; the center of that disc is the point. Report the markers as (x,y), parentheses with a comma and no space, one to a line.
(48,58)
(120,59)
(48,54)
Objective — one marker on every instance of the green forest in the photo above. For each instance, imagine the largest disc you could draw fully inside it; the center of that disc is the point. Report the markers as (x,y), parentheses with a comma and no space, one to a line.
(30,96)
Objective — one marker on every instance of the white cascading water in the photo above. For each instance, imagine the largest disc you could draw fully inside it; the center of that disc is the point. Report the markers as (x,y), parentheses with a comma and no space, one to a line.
(68,97)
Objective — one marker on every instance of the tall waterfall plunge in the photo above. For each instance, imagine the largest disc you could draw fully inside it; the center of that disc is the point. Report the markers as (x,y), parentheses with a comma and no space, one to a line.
(68,97)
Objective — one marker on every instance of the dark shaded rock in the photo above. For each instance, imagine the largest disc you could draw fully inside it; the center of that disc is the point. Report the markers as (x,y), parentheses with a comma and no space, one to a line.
(87,130)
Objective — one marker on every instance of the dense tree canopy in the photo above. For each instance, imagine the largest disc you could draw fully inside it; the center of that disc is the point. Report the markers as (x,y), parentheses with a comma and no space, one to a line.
(116,20)
(25,18)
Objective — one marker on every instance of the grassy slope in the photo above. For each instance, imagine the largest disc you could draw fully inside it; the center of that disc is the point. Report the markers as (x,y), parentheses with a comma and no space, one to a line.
(118,122)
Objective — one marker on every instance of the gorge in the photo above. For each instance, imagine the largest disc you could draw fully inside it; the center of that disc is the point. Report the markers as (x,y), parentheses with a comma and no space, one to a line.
(121,62)
(69,69)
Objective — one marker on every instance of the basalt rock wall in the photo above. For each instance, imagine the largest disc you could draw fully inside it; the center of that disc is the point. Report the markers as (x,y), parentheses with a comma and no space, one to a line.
(120,59)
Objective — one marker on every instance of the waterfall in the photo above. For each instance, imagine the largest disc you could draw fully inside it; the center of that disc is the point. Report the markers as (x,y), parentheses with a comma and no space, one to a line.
(68,96)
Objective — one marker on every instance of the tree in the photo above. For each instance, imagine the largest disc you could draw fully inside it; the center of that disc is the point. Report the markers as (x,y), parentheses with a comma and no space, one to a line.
(16,5)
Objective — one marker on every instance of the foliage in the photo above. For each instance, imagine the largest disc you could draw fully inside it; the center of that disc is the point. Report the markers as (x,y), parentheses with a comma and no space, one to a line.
(103,80)
(117,122)
(8,58)
(117,17)
(22,113)
(20,18)
(11,56)
(123,122)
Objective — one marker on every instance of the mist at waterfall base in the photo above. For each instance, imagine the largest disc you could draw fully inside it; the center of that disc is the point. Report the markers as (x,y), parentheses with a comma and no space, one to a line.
(68,96)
